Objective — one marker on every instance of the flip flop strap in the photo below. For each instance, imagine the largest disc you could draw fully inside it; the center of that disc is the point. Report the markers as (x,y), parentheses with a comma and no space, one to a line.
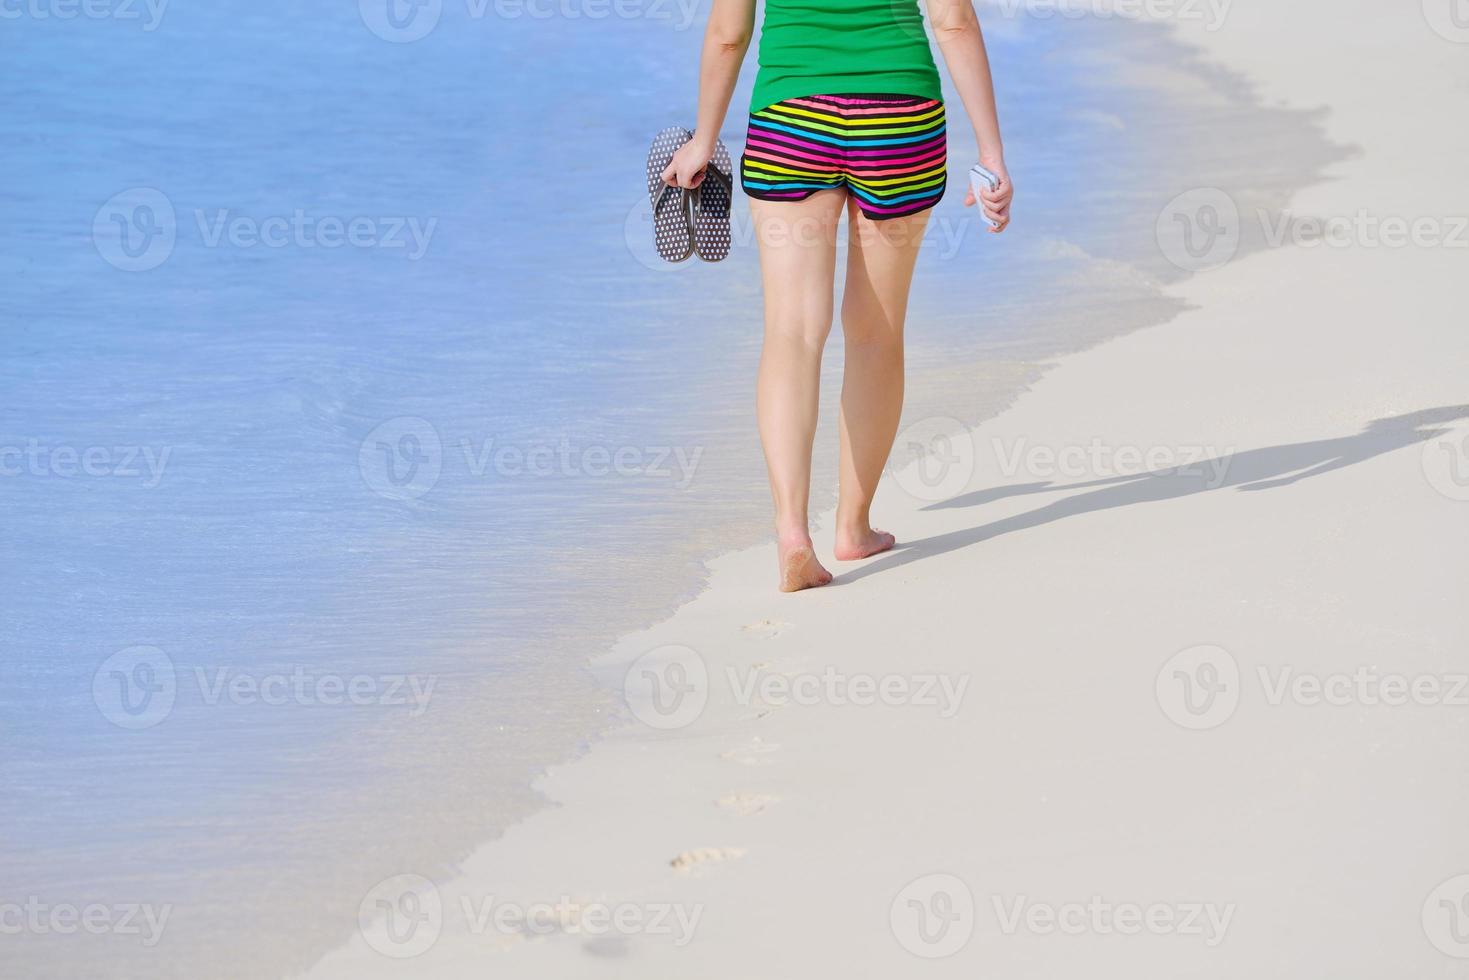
(667,189)
(721,176)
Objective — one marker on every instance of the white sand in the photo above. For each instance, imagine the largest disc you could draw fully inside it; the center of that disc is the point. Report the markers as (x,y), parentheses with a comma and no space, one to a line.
(1314,834)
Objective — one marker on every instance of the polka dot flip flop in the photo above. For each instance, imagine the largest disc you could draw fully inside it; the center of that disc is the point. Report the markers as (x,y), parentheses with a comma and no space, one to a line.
(711,205)
(673,231)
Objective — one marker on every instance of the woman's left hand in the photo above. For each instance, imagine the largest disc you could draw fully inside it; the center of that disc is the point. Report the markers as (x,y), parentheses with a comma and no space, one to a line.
(690,164)
(995,203)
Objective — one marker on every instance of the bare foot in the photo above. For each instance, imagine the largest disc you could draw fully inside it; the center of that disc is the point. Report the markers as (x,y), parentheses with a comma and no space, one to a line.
(799,568)
(852,545)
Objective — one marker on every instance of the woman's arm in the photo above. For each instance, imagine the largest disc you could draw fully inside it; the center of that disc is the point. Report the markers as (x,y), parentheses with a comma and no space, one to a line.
(956,27)
(726,39)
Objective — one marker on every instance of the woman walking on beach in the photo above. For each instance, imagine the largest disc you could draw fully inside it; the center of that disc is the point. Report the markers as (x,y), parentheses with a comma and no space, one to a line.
(847,114)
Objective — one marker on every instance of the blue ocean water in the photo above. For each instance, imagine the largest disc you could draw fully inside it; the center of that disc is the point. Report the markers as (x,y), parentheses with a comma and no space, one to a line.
(346,413)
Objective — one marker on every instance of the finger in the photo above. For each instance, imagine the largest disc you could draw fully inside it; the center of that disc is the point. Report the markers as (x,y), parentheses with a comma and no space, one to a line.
(668,176)
(969,199)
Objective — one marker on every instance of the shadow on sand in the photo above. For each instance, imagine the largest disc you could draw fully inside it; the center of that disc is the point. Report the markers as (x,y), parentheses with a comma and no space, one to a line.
(1252,469)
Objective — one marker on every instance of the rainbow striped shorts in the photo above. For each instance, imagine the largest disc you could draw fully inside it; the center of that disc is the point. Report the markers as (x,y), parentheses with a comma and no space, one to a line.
(890,152)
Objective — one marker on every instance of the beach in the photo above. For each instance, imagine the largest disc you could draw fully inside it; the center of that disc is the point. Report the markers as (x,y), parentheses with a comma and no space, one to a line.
(388,590)
(1166,676)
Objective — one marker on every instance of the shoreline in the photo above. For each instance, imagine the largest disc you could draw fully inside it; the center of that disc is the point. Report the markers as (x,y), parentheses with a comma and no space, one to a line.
(1049,608)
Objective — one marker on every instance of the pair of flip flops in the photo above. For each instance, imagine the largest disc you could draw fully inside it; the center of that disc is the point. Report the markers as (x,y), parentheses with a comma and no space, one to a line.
(686,222)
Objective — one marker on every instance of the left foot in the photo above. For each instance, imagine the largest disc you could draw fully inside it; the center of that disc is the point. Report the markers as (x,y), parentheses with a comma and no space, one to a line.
(852,545)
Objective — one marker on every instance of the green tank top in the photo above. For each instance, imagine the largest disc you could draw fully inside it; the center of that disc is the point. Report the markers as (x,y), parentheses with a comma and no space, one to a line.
(843,47)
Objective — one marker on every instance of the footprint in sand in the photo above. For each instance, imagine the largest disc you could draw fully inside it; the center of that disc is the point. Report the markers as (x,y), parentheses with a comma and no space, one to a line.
(767,629)
(760,713)
(746,804)
(699,856)
(756,752)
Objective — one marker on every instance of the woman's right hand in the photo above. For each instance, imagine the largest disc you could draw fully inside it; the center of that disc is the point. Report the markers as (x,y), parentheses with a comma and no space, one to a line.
(690,165)
(994,203)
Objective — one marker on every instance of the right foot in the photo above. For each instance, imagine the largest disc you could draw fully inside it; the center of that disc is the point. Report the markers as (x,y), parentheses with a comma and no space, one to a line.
(799,568)
(862,544)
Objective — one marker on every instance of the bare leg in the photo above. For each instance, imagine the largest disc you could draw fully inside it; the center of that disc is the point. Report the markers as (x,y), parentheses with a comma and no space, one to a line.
(798,269)
(875,304)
